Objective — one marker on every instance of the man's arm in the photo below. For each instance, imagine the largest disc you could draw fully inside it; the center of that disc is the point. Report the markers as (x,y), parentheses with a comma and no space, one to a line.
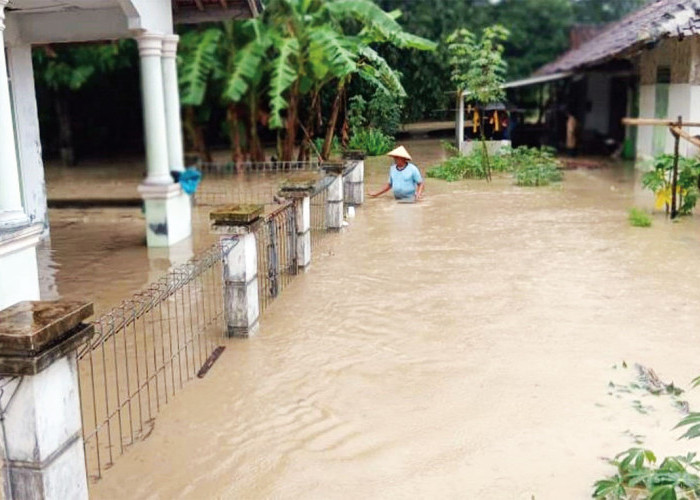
(419,190)
(386,188)
(420,184)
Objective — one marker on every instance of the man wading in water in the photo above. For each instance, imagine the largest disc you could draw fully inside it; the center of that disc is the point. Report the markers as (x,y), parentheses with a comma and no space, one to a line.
(404,178)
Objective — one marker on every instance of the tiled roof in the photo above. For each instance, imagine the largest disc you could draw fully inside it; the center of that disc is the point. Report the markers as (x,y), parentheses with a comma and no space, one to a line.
(659,19)
(210,10)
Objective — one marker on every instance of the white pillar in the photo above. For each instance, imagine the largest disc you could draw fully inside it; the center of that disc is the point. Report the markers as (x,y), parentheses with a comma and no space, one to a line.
(28,137)
(172,103)
(11,211)
(460,121)
(168,208)
(152,95)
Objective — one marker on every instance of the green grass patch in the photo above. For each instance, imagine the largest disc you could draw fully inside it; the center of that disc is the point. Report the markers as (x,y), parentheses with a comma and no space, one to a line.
(529,166)
(372,141)
(639,218)
(537,174)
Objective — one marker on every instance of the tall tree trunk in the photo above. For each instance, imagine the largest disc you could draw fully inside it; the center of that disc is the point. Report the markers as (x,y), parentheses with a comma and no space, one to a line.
(65,129)
(333,121)
(196,133)
(308,128)
(256,150)
(485,151)
(235,135)
(290,138)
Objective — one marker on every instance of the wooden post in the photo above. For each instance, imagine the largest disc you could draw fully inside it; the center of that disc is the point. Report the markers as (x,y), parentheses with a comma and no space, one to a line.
(674,179)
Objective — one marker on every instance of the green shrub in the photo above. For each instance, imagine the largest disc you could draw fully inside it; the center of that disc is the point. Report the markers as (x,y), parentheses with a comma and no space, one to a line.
(659,180)
(537,174)
(639,218)
(384,112)
(372,141)
(335,145)
(530,166)
(460,167)
(357,111)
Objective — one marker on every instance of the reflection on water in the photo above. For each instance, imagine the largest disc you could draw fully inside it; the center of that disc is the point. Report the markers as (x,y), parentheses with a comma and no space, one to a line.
(461,347)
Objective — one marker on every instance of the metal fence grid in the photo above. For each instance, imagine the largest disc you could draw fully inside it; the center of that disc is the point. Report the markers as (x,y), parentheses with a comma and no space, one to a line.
(144,351)
(259,183)
(276,240)
(319,201)
(264,166)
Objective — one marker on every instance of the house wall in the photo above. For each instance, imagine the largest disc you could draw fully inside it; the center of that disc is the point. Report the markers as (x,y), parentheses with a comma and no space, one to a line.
(683,60)
(598,97)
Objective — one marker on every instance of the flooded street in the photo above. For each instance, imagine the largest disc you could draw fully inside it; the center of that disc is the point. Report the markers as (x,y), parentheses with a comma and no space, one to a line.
(462,347)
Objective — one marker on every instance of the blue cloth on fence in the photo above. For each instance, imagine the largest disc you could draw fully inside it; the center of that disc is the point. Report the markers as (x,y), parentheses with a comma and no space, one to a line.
(189,180)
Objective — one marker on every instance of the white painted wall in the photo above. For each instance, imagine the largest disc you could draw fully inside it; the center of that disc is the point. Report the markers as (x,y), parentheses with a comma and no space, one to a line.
(155,15)
(71,26)
(19,277)
(645,135)
(598,94)
(679,104)
(19,60)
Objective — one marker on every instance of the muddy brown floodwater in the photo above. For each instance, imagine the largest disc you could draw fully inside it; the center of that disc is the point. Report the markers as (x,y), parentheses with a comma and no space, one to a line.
(462,347)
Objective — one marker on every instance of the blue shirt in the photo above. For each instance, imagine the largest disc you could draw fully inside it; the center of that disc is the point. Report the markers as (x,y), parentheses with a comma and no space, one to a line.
(404,181)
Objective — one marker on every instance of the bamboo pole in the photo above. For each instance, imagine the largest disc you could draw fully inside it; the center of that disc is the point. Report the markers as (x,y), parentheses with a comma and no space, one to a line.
(675,130)
(656,121)
(674,179)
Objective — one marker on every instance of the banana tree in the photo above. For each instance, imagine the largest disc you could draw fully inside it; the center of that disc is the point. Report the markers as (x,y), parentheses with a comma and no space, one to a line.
(291,53)
(312,49)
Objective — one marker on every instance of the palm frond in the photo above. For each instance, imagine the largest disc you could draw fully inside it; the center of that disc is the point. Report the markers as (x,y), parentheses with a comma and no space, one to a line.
(283,76)
(196,65)
(385,73)
(332,50)
(380,26)
(246,67)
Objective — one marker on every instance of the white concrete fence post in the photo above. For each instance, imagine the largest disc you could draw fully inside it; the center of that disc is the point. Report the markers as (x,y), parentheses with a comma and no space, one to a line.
(301,194)
(238,225)
(42,443)
(335,199)
(354,180)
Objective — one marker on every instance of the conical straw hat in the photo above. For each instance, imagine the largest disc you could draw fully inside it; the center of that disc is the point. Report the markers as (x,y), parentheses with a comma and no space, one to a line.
(400,152)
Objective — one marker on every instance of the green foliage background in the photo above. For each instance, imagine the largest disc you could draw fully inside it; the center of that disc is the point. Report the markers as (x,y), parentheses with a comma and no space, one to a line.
(539,33)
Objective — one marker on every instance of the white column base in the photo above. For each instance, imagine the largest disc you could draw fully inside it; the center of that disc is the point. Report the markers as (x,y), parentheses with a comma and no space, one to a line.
(168,214)
(19,270)
(44,456)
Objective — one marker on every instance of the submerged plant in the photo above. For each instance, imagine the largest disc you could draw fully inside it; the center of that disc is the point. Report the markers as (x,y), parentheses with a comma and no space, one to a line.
(639,476)
(539,174)
(639,218)
(660,181)
(530,166)
(372,141)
